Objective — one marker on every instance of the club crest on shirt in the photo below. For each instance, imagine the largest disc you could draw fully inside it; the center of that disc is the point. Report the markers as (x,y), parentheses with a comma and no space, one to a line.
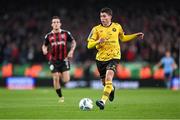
(63,36)
(114,29)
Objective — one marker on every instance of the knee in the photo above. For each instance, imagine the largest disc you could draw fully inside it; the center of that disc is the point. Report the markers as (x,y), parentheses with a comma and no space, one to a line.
(56,77)
(66,78)
(109,75)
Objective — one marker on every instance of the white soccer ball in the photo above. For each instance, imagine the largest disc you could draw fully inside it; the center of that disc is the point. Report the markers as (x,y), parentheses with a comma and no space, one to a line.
(86,104)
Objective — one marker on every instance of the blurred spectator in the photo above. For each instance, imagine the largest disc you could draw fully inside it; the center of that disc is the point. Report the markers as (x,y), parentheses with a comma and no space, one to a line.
(169,66)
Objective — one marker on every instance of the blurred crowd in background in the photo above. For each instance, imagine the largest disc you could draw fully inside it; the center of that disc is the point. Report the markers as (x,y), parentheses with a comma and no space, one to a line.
(23,25)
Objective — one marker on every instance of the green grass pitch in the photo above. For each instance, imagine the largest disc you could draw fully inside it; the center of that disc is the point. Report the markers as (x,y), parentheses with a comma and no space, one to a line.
(41,103)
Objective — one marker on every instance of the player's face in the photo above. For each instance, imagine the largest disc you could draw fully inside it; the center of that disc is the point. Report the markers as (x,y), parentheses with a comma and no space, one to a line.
(168,54)
(56,24)
(105,19)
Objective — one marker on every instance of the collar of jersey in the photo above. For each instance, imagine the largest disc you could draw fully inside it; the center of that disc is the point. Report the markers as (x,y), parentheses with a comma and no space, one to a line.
(59,31)
(106,26)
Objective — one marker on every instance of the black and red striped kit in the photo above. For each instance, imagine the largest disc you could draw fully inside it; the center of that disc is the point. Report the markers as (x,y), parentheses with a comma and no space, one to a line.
(57,44)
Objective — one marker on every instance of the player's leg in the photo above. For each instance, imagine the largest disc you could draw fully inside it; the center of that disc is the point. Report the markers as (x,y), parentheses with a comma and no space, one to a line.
(57,86)
(102,71)
(167,80)
(66,76)
(54,67)
(112,66)
(103,81)
(107,89)
(65,67)
(108,85)
(111,96)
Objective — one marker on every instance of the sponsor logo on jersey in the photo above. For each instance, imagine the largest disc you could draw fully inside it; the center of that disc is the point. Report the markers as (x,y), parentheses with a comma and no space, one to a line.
(58,43)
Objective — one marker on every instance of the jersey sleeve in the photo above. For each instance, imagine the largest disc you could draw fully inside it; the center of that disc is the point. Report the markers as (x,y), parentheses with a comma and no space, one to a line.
(69,37)
(93,35)
(121,31)
(162,60)
(125,38)
(46,40)
(172,60)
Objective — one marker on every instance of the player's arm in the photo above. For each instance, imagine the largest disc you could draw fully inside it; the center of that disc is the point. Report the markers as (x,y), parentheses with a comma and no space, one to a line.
(45,49)
(93,39)
(158,64)
(126,38)
(45,45)
(93,43)
(174,65)
(73,45)
(71,52)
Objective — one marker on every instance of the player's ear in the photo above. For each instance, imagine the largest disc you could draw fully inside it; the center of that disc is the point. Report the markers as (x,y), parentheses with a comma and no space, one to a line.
(110,16)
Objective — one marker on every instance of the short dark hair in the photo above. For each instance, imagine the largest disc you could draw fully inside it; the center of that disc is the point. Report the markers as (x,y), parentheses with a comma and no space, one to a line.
(106,10)
(56,17)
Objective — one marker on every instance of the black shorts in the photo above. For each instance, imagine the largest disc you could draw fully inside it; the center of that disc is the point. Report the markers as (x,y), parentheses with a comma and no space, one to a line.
(59,66)
(103,66)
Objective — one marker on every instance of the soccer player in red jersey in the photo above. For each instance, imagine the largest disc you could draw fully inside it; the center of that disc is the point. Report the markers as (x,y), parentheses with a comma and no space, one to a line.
(55,47)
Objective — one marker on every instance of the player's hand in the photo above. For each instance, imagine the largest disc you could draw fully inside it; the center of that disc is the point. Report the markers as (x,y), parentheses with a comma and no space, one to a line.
(174,66)
(70,55)
(45,50)
(140,35)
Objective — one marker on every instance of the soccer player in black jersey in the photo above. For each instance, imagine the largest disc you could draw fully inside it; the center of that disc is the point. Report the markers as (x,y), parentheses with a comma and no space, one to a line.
(55,47)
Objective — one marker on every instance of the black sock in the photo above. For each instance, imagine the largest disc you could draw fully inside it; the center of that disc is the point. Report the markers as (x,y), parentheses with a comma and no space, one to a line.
(58,91)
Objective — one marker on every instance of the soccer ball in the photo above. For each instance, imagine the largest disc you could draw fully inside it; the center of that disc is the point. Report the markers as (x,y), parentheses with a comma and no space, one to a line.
(86,104)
